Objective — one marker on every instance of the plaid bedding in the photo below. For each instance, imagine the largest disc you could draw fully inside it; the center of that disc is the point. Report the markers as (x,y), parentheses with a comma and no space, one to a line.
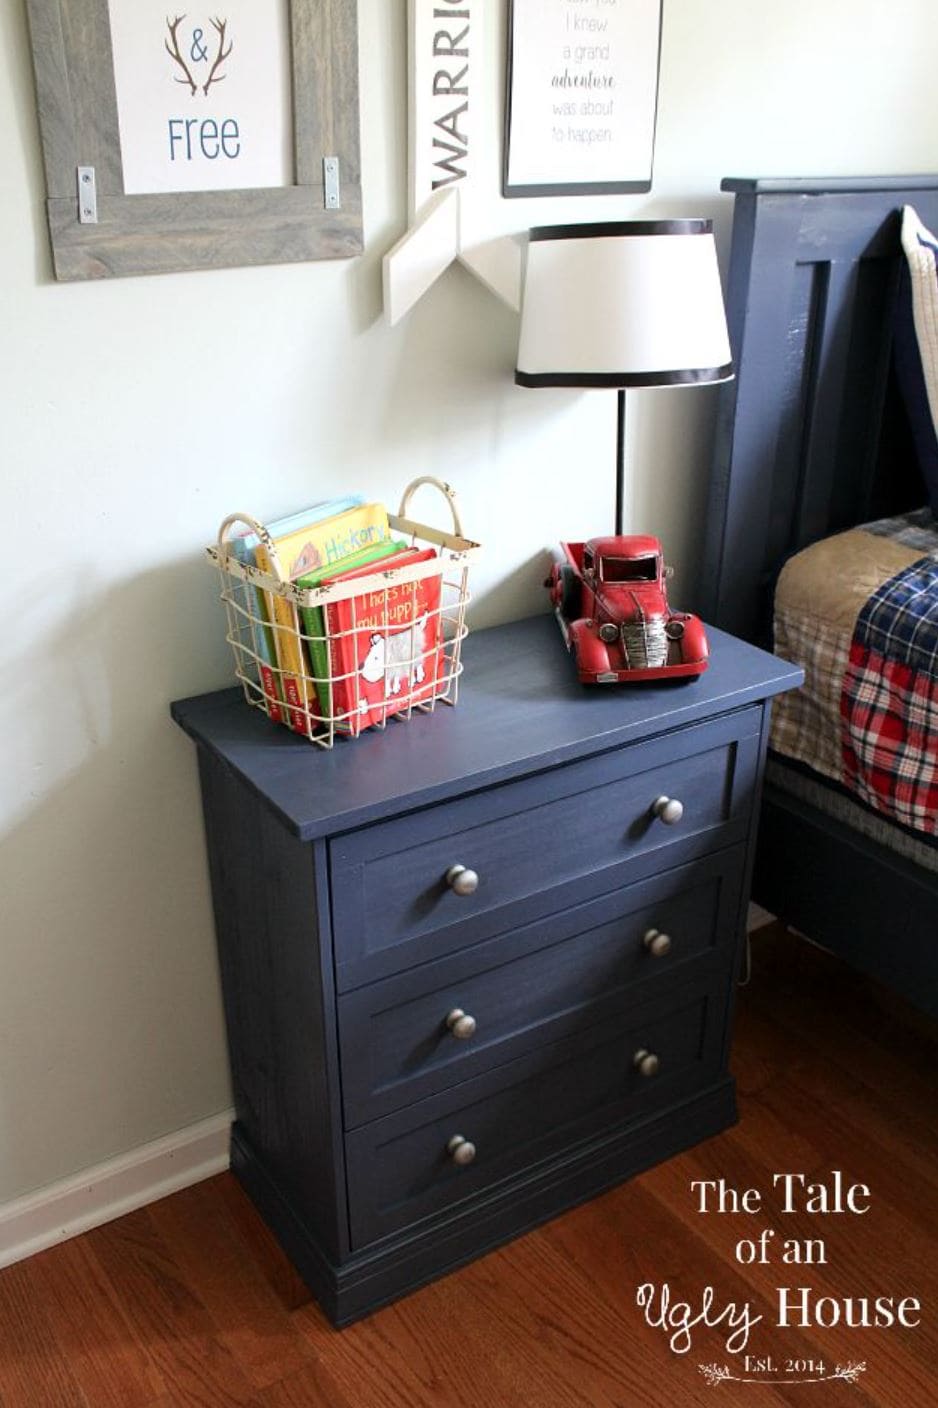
(860,613)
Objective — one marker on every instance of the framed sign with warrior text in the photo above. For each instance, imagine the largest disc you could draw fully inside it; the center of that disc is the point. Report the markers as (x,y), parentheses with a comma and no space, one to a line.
(197,140)
(582,96)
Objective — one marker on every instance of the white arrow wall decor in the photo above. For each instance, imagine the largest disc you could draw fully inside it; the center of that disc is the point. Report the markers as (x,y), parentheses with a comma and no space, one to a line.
(445,39)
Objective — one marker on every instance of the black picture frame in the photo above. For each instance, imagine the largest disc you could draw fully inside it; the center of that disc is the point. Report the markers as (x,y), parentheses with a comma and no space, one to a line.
(523,189)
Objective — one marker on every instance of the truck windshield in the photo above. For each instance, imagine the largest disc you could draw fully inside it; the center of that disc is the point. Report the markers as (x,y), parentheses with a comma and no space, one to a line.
(630,569)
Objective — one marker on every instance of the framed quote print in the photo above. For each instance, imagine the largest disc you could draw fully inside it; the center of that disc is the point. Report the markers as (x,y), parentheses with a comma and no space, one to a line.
(582,94)
(197,140)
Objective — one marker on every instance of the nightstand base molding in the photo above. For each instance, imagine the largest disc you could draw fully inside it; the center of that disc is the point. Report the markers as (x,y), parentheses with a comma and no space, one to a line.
(403,1262)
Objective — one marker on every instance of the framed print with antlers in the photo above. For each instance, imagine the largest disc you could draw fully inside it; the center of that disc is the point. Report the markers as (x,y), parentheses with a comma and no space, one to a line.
(199,139)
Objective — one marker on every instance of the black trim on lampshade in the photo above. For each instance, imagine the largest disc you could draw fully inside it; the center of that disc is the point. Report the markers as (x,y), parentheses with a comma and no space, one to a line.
(608,228)
(690,377)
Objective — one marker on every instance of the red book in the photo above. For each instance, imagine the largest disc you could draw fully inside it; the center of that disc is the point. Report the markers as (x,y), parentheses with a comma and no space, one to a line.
(385,646)
(270,690)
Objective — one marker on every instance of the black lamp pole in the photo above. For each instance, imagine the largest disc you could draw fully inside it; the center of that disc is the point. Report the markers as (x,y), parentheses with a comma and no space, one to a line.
(620,461)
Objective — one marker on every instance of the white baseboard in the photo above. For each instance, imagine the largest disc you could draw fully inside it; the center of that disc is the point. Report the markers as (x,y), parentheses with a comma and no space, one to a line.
(108,1190)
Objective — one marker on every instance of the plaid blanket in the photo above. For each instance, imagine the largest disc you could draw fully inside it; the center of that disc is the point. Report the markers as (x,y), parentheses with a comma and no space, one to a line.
(860,613)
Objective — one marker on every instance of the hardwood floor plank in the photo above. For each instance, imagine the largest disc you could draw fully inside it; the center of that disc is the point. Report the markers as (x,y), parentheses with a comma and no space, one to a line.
(310,1387)
(264,1250)
(91,1331)
(34,1372)
(215,1262)
(823,1004)
(503,1336)
(166,1316)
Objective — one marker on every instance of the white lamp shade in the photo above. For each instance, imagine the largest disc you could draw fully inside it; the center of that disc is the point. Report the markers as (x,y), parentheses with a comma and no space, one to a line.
(634,303)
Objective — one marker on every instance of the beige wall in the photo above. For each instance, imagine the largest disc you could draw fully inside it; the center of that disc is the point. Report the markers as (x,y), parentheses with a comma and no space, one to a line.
(136,413)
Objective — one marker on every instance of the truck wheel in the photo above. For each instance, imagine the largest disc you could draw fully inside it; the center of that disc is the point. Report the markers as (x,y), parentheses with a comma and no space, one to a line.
(571,594)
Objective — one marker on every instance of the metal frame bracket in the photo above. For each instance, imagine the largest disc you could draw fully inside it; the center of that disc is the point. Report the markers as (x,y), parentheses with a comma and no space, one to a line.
(330,182)
(87,196)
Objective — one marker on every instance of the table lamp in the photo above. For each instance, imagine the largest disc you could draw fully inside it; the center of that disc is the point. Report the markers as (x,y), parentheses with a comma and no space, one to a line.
(620,304)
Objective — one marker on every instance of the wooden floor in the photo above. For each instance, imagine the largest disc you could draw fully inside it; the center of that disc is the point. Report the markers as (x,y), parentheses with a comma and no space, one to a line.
(188,1302)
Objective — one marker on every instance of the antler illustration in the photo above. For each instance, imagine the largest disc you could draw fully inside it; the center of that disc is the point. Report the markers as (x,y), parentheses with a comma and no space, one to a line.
(172,26)
(219,26)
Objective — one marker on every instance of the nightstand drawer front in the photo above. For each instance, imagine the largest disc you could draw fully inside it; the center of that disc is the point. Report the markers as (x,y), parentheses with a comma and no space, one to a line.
(572,832)
(524,990)
(406,1166)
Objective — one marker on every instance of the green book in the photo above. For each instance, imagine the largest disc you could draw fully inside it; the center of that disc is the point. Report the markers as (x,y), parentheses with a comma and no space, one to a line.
(314,619)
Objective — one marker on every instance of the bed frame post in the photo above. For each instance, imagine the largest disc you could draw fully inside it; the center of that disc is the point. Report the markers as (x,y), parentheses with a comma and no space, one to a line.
(812,282)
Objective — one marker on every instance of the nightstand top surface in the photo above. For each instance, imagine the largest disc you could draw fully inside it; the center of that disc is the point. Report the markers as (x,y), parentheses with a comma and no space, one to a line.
(520,710)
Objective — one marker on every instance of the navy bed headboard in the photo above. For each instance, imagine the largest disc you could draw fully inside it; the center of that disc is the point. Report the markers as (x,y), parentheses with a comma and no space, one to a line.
(811,438)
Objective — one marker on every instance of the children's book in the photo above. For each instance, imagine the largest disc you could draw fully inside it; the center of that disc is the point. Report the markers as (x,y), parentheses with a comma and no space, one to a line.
(262,637)
(323,543)
(312,616)
(244,549)
(385,647)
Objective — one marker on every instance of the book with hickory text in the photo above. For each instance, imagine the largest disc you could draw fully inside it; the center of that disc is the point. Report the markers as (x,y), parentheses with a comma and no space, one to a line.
(323,543)
(244,547)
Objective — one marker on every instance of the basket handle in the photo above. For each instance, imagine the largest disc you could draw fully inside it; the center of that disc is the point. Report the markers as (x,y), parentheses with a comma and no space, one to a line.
(445,489)
(257,528)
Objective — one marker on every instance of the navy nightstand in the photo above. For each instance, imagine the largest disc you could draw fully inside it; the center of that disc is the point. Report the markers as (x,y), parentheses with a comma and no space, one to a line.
(480,966)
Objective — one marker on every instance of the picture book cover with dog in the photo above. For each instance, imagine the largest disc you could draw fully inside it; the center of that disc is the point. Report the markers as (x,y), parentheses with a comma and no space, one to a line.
(314,626)
(386,648)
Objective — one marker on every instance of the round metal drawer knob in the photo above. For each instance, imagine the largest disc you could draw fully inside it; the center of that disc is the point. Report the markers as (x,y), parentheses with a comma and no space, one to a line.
(669,810)
(461,880)
(461,1151)
(461,1024)
(657,944)
(646,1062)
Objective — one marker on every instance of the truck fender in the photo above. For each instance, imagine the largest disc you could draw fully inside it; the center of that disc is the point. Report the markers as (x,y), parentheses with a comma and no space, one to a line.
(694,645)
(589,651)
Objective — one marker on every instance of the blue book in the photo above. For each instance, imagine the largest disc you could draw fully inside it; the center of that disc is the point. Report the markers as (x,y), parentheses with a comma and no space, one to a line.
(244,548)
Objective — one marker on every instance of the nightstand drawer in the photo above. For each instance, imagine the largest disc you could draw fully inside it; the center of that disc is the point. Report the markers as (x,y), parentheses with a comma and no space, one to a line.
(404,1167)
(548,841)
(534,986)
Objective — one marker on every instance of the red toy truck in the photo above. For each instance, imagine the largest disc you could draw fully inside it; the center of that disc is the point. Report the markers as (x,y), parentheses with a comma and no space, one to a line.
(610,599)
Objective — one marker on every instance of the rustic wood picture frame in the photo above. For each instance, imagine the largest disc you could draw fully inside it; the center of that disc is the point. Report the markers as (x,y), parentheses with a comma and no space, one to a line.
(155,234)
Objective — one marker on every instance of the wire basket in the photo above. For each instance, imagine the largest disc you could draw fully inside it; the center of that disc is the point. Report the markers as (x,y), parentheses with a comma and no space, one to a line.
(329,661)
